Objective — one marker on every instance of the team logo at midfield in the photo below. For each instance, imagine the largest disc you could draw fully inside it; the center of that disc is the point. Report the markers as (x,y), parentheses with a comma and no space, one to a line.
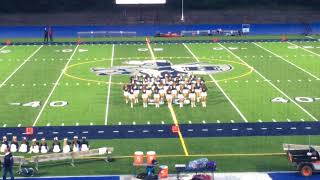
(162,67)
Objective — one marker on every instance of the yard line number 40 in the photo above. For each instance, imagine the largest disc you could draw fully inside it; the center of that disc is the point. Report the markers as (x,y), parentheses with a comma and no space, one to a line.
(36,104)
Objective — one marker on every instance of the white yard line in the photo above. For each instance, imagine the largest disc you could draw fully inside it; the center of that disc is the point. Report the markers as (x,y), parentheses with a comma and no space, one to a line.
(304,49)
(54,87)
(307,72)
(24,62)
(217,84)
(3,47)
(109,88)
(309,37)
(274,86)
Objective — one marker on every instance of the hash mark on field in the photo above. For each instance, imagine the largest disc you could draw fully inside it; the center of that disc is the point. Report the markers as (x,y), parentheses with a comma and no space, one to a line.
(160,130)
(264,128)
(274,86)
(24,62)
(293,128)
(308,127)
(205,130)
(278,128)
(54,87)
(217,84)
(249,129)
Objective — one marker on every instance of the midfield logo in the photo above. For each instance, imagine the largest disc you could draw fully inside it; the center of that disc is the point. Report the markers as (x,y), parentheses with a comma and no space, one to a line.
(162,67)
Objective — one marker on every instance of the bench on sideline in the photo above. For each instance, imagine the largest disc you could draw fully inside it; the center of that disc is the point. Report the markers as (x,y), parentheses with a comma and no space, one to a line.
(20,160)
(73,156)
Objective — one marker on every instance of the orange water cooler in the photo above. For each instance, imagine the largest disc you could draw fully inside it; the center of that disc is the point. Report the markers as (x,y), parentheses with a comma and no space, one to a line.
(151,155)
(163,171)
(138,158)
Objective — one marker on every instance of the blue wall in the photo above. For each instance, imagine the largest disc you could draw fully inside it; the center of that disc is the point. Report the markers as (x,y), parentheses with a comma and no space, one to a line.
(150,30)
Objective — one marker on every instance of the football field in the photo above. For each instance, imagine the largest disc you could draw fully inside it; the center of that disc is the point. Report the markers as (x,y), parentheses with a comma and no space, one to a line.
(53,85)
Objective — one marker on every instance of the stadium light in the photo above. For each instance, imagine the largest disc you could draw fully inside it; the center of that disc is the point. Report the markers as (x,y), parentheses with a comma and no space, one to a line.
(182,11)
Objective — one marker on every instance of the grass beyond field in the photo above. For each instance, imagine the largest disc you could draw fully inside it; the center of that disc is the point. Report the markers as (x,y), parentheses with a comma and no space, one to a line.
(57,81)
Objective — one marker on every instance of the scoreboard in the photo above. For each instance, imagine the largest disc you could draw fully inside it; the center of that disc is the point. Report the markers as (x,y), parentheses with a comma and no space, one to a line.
(140,1)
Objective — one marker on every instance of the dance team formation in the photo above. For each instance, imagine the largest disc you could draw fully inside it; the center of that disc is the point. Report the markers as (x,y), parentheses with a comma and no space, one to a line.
(178,89)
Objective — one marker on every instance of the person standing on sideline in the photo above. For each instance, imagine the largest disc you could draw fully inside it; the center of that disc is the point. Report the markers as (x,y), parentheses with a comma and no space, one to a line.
(45,39)
(50,34)
(7,165)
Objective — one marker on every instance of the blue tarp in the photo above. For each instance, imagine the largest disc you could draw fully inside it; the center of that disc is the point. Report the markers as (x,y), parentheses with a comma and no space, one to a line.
(150,30)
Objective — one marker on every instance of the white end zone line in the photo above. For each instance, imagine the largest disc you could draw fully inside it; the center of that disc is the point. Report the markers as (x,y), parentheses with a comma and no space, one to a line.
(287,61)
(55,85)
(274,86)
(109,88)
(25,61)
(304,49)
(217,84)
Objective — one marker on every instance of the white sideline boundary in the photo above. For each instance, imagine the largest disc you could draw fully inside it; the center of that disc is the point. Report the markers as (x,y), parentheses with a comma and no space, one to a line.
(305,71)
(24,62)
(55,85)
(274,86)
(109,89)
(217,84)
(304,49)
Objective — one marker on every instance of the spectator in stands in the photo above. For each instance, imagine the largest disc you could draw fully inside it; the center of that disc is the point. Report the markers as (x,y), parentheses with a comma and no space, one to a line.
(4,144)
(45,34)
(84,144)
(34,146)
(75,144)
(50,34)
(14,146)
(43,146)
(7,164)
(24,147)
(56,148)
(66,145)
